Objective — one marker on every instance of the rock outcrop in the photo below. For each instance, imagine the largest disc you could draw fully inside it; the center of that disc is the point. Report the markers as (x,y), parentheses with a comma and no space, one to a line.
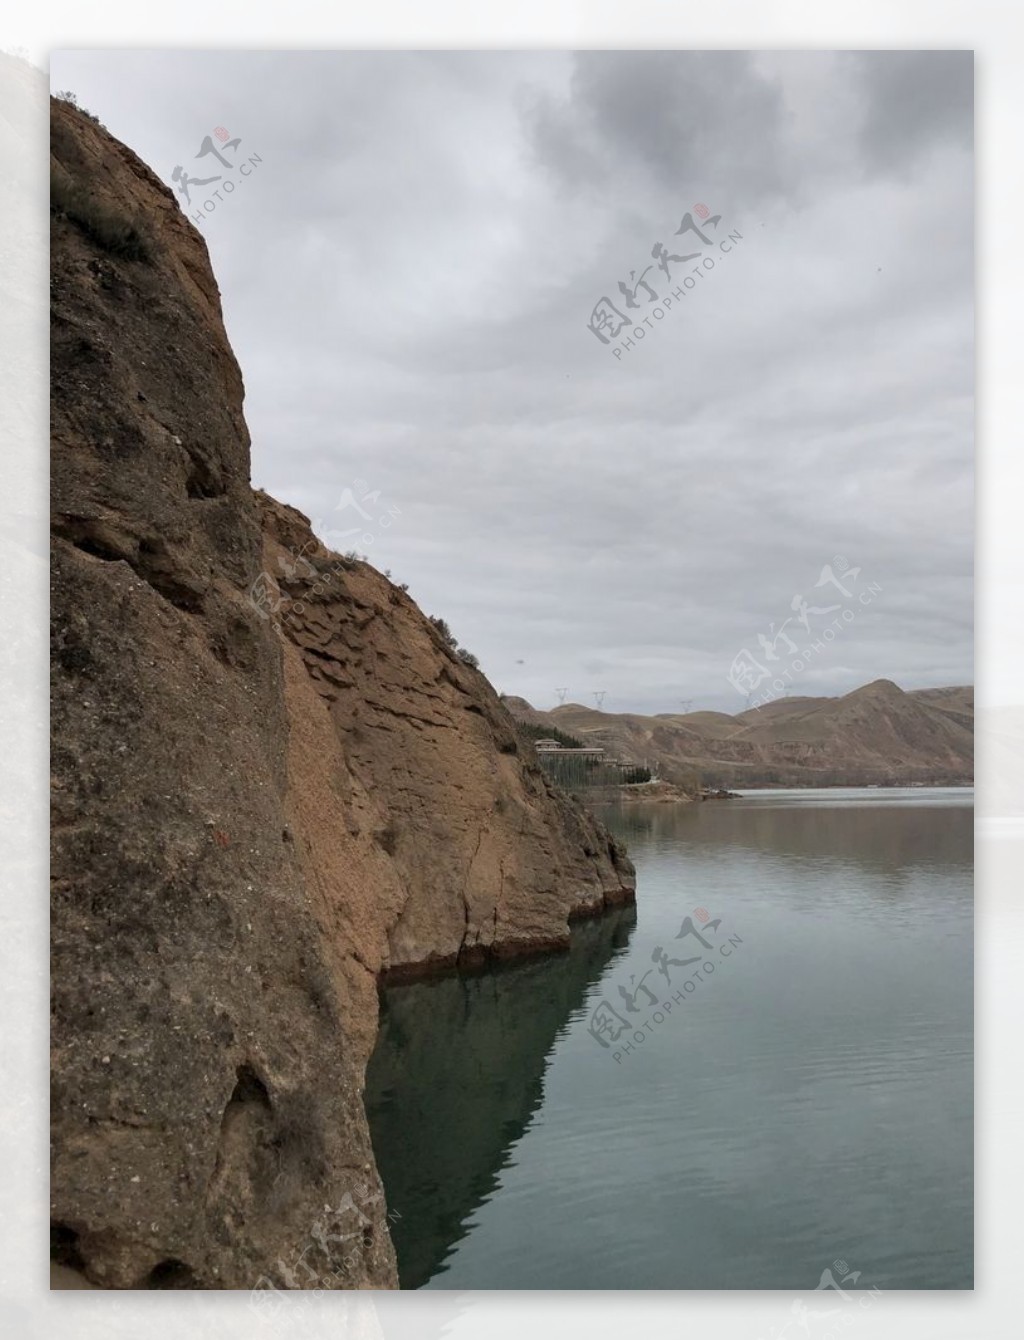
(262,803)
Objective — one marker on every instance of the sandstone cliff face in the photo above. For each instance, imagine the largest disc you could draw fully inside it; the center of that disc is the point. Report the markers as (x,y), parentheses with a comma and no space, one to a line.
(254,817)
(470,851)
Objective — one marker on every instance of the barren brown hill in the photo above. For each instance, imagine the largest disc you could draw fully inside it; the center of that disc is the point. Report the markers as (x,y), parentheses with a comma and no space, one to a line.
(957,703)
(877,735)
(273,782)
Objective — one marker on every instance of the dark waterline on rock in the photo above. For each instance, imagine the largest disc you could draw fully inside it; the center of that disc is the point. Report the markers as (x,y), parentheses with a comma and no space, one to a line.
(809,1099)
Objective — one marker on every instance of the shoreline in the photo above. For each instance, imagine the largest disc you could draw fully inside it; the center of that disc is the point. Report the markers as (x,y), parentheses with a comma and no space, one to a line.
(479,959)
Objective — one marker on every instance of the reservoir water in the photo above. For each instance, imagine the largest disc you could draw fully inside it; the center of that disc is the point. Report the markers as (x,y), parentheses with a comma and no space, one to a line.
(805,1100)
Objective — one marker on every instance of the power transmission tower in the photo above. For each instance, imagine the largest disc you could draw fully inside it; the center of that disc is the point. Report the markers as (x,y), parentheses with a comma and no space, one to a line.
(561,694)
(599,698)
(687,703)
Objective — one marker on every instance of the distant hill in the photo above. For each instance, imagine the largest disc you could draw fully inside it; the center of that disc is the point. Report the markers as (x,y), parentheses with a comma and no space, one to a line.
(876,735)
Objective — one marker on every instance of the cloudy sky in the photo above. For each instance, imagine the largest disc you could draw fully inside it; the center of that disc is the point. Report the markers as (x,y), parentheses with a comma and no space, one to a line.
(409,271)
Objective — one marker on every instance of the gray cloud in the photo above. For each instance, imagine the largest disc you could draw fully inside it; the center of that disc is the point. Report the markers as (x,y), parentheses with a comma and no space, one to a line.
(407,279)
(912,101)
(674,116)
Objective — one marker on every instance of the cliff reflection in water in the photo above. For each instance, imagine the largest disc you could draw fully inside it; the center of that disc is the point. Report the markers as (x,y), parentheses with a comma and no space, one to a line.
(488,1035)
(878,830)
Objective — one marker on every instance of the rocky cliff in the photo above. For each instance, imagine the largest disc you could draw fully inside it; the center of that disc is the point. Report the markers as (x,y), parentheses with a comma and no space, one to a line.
(274,783)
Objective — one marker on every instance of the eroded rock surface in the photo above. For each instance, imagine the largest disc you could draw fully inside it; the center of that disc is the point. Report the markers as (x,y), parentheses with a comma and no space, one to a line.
(253,817)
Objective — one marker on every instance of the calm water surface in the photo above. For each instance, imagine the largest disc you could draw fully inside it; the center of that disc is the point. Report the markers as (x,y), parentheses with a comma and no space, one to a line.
(808,1100)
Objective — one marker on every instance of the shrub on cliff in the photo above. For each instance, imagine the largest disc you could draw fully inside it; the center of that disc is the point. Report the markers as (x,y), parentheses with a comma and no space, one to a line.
(66,95)
(447,636)
(450,640)
(117,234)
